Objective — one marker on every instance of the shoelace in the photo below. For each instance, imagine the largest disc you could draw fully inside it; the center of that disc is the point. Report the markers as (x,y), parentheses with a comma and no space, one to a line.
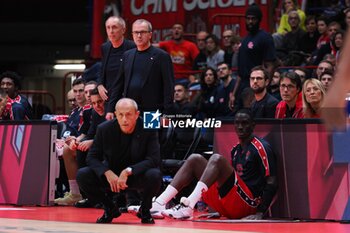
(179,206)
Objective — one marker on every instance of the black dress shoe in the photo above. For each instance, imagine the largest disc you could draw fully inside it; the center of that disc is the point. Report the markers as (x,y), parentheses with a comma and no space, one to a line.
(145,217)
(108,215)
(85,203)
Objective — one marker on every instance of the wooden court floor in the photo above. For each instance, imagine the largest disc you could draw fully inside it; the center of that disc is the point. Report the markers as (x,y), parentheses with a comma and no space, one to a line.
(73,220)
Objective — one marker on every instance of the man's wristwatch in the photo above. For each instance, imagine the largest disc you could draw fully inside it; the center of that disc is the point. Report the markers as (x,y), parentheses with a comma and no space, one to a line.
(128,171)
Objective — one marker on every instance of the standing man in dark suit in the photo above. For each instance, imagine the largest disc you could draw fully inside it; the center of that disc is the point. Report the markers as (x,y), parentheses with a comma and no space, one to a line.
(146,73)
(123,156)
(112,52)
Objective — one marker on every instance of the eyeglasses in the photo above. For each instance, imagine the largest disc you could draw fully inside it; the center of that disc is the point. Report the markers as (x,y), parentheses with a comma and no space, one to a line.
(141,33)
(226,37)
(71,100)
(289,86)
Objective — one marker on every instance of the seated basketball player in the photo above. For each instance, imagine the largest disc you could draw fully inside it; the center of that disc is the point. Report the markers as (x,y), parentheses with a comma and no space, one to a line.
(243,188)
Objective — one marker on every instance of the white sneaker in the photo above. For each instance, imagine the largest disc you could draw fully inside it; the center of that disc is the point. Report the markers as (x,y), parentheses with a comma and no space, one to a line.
(180,211)
(156,210)
(68,199)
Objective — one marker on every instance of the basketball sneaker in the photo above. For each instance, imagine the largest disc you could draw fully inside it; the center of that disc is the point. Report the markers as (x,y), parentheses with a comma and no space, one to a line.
(181,211)
(156,210)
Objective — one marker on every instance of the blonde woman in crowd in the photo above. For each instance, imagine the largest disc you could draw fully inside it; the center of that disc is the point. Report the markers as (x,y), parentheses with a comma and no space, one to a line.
(313,94)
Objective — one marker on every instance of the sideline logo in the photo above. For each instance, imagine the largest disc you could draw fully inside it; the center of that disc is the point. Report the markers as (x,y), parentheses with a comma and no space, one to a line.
(151,120)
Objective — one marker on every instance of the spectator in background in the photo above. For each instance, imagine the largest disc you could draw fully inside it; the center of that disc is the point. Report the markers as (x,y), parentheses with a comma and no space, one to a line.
(310,38)
(182,104)
(326,78)
(333,27)
(295,28)
(284,26)
(324,65)
(274,87)
(182,109)
(227,84)
(17,106)
(215,54)
(200,62)
(338,41)
(291,41)
(291,105)
(334,45)
(181,51)
(331,58)
(313,94)
(290,5)
(257,48)
(235,44)
(112,52)
(302,72)
(334,12)
(264,104)
(209,95)
(226,42)
(322,27)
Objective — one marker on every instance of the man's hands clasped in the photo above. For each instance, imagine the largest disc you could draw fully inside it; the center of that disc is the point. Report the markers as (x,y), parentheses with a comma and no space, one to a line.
(117,183)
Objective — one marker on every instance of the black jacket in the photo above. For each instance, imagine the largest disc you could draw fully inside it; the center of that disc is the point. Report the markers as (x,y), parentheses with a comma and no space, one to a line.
(157,87)
(145,152)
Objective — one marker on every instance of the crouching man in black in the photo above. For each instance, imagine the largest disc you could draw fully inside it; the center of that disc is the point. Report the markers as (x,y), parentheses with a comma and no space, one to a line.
(123,156)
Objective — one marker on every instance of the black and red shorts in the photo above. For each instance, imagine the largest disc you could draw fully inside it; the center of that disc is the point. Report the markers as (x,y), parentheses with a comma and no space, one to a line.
(233,199)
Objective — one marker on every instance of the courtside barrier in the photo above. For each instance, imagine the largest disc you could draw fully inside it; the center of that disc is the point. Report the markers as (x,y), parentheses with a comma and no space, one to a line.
(28,162)
(313,167)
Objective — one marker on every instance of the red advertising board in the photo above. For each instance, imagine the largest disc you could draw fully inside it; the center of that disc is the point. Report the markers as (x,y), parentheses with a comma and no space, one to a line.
(196,15)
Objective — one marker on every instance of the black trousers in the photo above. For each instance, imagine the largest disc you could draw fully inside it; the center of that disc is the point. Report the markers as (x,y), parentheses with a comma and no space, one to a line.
(81,158)
(98,190)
